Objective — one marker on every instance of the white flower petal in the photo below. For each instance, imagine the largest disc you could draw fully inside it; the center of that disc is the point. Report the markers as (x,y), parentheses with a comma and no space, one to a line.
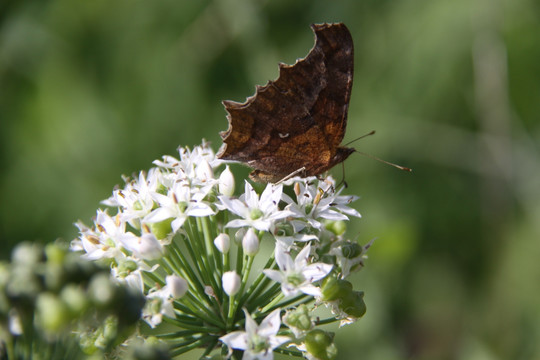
(236,340)
(177,286)
(333,215)
(200,209)
(177,223)
(158,215)
(235,206)
(237,223)
(347,210)
(271,323)
(283,259)
(317,271)
(275,275)
(310,290)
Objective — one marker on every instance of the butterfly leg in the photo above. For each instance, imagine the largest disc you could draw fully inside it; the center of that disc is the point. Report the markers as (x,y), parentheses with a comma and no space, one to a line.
(295,172)
(343,182)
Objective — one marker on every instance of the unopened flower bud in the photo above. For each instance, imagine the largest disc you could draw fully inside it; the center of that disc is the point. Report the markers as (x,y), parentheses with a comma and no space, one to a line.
(204,170)
(231,282)
(161,229)
(15,323)
(52,314)
(351,250)
(250,243)
(320,344)
(239,235)
(177,286)
(334,289)
(353,304)
(27,254)
(146,247)
(226,182)
(101,290)
(299,318)
(223,243)
(55,253)
(75,299)
(338,227)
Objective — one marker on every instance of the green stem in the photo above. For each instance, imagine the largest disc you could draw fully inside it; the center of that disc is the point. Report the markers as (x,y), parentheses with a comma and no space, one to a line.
(178,334)
(193,245)
(269,294)
(307,299)
(210,347)
(202,312)
(289,352)
(178,349)
(239,258)
(214,276)
(191,276)
(327,321)
(254,290)
(231,311)
(272,304)
(245,275)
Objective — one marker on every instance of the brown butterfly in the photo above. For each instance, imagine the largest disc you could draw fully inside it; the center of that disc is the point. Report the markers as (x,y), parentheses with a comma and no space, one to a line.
(295,124)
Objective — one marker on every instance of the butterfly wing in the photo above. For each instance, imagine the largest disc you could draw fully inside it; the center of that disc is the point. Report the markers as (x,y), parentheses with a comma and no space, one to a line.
(332,104)
(298,120)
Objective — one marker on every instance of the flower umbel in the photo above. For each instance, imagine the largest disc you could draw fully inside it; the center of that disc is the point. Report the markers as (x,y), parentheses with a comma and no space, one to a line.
(221,268)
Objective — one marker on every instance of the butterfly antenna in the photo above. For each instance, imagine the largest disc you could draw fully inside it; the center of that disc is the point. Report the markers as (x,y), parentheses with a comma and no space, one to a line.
(361,137)
(404,168)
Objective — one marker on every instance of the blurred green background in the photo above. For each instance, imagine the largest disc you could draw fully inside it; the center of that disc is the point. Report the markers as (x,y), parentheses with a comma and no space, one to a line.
(90,90)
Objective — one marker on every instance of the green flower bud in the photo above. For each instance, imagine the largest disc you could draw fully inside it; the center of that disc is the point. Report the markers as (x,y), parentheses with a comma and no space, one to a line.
(350,250)
(101,290)
(110,329)
(333,288)
(284,229)
(52,314)
(55,253)
(126,267)
(353,304)
(161,229)
(337,227)
(299,318)
(75,299)
(320,344)
(55,277)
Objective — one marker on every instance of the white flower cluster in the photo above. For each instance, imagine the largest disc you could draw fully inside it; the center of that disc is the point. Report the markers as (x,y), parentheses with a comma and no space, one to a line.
(181,237)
